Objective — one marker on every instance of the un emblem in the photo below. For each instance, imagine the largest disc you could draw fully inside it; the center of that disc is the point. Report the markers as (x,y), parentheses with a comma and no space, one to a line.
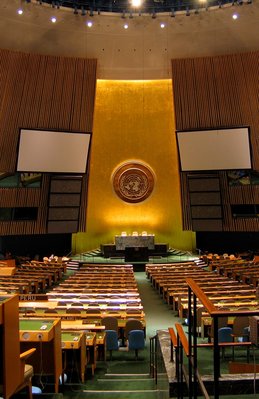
(133,182)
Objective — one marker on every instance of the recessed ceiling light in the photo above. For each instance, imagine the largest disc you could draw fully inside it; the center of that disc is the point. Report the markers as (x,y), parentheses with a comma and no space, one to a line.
(89,24)
(162,25)
(53,19)
(20,11)
(235,16)
(125,26)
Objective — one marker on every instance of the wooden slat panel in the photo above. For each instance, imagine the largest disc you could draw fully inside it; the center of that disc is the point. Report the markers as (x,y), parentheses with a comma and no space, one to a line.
(43,92)
(213,92)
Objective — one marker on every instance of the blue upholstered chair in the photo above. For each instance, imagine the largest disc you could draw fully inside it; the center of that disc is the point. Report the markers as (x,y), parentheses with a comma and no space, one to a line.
(225,334)
(112,341)
(136,341)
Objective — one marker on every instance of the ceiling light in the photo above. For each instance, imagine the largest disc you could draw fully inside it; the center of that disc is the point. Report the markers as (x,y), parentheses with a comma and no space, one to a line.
(136,3)
(53,19)
(89,24)
(162,25)
(20,11)
(125,26)
(235,16)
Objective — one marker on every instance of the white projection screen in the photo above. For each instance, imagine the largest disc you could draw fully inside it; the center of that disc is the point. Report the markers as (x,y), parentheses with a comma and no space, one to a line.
(53,151)
(221,149)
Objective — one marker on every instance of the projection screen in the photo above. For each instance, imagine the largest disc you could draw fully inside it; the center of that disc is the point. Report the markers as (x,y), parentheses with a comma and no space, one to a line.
(53,151)
(219,149)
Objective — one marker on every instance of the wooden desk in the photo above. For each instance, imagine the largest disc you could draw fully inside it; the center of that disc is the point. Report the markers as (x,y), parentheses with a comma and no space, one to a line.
(74,342)
(78,325)
(48,356)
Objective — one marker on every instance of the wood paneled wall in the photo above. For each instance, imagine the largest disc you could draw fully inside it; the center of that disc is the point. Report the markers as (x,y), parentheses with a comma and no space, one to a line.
(42,92)
(215,92)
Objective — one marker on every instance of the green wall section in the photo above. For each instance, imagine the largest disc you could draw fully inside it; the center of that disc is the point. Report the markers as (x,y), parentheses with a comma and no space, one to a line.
(134,121)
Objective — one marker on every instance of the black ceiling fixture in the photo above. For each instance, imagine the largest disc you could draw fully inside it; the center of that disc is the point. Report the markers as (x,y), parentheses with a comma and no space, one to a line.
(151,7)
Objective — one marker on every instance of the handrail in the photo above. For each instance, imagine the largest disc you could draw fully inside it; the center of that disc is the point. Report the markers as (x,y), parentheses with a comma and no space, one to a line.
(183,338)
(201,295)
(173,336)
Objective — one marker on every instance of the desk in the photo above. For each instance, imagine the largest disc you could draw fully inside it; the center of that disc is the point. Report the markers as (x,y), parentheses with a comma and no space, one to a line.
(91,349)
(47,341)
(121,242)
(74,350)
(79,325)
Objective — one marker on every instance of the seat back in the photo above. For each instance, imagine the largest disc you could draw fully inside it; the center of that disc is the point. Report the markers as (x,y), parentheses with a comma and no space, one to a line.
(225,334)
(132,324)
(112,340)
(136,340)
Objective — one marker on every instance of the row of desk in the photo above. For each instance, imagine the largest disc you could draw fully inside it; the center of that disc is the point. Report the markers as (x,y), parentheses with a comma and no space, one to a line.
(54,339)
(76,308)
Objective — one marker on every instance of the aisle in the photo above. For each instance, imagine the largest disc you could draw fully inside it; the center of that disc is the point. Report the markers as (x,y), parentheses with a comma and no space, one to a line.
(158,314)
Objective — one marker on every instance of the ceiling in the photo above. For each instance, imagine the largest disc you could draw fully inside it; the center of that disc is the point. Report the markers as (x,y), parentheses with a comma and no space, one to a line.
(142,51)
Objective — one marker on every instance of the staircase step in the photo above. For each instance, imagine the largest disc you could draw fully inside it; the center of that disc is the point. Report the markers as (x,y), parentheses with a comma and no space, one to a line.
(130,394)
(126,376)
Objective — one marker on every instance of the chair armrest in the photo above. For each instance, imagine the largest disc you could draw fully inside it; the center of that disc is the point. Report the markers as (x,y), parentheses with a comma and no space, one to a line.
(26,354)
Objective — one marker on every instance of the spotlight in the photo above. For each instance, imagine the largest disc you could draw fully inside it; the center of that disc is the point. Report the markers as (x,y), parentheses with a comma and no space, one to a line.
(53,20)
(20,11)
(125,26)
(162,25)
(89,24)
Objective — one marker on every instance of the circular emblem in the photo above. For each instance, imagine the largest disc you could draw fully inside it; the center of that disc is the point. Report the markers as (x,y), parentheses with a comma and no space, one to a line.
(133,182)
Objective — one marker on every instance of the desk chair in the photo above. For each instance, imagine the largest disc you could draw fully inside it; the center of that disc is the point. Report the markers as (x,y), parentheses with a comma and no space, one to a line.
(222,322)
(136,341)
(132,324)
(110,323)
(27,372)
(224,335)
(112,341)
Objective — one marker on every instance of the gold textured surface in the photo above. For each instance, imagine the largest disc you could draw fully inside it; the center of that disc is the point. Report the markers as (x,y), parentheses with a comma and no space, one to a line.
(134,121)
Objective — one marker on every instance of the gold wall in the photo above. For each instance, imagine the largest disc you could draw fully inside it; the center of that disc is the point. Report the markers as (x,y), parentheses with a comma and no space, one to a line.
(133,121)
